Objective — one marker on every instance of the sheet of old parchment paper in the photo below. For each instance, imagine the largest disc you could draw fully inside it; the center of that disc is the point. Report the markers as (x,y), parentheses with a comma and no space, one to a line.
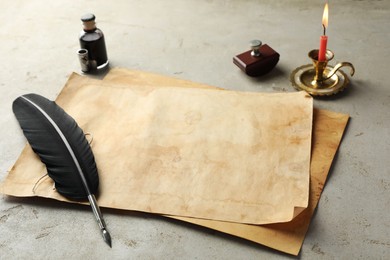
(288,237)
(328,128)
(203,153)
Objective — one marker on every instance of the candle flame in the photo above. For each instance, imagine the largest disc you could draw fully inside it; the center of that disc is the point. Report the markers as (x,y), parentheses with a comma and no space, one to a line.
(325,16)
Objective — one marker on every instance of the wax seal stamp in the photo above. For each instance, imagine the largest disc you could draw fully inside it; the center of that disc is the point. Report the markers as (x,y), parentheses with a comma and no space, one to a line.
(259,60)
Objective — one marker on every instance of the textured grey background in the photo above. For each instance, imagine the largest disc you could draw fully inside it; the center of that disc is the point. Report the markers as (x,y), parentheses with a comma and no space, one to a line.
(196,40)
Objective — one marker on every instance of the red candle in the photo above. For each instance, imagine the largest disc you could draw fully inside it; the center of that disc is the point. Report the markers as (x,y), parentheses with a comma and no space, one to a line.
(322,50)
(323,38)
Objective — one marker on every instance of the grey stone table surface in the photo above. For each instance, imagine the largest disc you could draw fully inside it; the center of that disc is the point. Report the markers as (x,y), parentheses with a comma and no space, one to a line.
(196,40)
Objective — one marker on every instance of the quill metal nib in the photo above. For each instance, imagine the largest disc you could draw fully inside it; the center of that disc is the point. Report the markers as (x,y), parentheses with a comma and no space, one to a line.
(106,237)
(99,219)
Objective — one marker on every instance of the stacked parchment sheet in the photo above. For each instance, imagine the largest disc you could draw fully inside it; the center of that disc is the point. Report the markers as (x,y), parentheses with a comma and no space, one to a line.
(232,161)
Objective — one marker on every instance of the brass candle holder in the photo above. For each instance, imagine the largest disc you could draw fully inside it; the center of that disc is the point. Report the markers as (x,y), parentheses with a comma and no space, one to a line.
(319,78)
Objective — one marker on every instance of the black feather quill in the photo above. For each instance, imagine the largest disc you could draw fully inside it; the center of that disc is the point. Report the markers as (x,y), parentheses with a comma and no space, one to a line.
(60,144)
(62,147)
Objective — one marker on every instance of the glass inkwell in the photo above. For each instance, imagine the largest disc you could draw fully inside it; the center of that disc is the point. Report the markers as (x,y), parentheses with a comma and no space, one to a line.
(92,53)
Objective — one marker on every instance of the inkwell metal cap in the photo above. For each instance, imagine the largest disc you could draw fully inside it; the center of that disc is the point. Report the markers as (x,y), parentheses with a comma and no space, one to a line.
(88,17)
(255,47)
(88,22)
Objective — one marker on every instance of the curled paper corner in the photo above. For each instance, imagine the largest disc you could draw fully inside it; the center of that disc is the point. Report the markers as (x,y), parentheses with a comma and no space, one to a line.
(298,211)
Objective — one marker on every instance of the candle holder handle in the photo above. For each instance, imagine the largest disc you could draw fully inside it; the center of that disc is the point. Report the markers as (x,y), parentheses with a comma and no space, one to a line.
(338,66)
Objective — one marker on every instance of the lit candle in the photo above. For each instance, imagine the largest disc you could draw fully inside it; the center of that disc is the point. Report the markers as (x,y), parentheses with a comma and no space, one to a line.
(323,38)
